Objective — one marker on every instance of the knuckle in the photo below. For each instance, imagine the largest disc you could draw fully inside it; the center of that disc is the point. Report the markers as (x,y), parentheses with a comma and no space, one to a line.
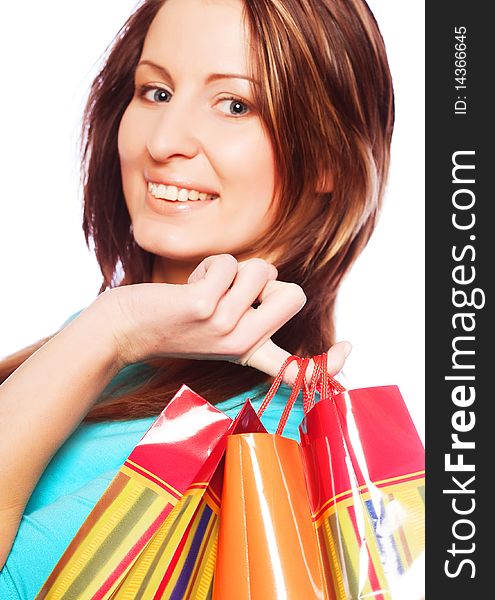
(227,258)
(257,265)
(222,324)
(235,346)
(202,307)
(297,294)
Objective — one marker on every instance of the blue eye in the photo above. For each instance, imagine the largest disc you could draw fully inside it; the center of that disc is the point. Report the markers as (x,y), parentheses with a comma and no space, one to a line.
(160,94)
(237,107)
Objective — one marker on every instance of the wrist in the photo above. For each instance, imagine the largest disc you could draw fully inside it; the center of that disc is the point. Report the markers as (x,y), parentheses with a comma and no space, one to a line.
(121,325)
(98,318)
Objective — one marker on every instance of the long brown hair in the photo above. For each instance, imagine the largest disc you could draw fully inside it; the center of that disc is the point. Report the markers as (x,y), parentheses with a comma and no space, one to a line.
(326,100)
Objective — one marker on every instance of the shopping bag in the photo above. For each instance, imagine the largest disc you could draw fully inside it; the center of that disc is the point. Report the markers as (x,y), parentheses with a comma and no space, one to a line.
(338,516)
(175,460)
(179,561)
(267,543)
(364,464)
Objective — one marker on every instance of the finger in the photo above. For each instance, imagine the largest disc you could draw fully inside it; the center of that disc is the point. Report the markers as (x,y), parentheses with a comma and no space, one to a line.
(336,356)
(278,305)
(273,271)
(269,358)
(215,273)
(219,267)
(247,286)
(213,277)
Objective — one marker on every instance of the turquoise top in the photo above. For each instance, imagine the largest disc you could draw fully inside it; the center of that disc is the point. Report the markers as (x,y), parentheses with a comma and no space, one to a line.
(77,476)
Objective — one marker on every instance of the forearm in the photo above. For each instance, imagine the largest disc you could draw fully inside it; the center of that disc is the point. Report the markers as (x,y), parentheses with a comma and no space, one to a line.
(44,400)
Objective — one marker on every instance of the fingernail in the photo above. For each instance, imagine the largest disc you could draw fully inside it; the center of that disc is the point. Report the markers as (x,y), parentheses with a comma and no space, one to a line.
(347,348)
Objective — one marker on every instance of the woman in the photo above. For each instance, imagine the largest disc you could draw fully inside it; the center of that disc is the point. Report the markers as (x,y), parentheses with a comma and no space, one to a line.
(274,121)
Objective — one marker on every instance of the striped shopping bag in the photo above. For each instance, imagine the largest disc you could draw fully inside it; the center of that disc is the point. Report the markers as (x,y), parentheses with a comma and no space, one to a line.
(364,463)
(153,532)
(179,562)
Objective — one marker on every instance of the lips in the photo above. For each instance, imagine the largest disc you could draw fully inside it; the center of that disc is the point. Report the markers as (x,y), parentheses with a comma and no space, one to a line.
(177,209)
(179,182)
(177,194)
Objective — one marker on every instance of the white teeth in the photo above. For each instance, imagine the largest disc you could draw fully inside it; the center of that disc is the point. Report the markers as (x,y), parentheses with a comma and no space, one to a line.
(183,195)
(171,192)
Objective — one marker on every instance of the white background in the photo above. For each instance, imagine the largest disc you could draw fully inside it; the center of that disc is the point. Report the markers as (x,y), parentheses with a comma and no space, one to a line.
(49,53)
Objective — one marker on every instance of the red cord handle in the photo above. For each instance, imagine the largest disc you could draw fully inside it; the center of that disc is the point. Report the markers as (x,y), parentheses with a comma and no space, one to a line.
(276,384)
(320,381)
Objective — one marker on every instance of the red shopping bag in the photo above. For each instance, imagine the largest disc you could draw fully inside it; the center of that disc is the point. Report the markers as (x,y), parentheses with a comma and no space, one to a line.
(170,479)
(179,561)
(364,463)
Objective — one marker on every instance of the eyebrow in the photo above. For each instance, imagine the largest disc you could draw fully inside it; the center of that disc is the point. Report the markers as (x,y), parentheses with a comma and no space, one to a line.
(211,77)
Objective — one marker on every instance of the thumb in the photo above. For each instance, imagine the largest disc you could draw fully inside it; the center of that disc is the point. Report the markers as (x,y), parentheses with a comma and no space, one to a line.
(269,359)
(336,356)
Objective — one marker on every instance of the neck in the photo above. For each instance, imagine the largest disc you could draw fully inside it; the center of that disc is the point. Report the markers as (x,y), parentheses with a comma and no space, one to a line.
(166,270)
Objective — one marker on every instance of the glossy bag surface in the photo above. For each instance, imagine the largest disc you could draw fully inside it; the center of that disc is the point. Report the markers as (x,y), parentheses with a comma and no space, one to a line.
(206,507)
(364,465)
(177,457)
(179,561)
(339,516)
(267,543)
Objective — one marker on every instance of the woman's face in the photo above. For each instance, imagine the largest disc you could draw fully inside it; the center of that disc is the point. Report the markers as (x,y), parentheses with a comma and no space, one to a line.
(191,124)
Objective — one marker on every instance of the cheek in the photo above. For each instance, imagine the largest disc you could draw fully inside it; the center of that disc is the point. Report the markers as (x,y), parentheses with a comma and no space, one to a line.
(129,139)
(130,144)
(249,168)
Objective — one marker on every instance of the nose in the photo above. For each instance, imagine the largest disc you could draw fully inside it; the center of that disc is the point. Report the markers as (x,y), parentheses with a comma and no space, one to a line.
(172,132)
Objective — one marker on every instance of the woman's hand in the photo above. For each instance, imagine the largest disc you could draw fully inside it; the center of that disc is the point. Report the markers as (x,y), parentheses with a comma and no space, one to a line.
(209,318)
(269,358)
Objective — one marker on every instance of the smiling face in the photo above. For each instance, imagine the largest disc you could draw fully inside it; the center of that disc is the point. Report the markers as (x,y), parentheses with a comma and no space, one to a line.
(190,127)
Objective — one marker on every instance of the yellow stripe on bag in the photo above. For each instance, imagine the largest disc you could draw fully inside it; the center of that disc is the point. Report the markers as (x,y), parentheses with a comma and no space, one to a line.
(177,537)
(403,504)
(346,498)
(212,502)
(413,526)
(351,548)
(107,542)
(328,506)
(371,543)
(335,562)
(146,574)
(151,477)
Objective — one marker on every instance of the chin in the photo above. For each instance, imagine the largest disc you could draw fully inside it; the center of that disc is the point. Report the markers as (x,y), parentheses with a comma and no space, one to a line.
(178,248)
(168,242)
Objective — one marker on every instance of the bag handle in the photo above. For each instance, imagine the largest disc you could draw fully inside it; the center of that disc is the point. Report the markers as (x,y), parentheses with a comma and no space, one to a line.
(300,378)
(321,381)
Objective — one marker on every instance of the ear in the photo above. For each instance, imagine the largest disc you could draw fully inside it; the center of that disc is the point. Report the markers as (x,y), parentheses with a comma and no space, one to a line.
(325,185)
